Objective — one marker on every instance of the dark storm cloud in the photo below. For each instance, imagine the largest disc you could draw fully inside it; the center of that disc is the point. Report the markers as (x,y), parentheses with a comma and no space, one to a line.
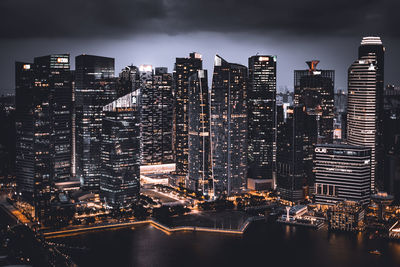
(80,18)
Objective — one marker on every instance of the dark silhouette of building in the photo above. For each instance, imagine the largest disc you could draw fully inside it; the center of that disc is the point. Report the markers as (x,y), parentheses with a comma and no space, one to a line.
(314,92)
(95,86)
(391,141)
(228,127)
(120,152)
(291,179)
(199,173)
(261,101)
(184,68)
(7,140)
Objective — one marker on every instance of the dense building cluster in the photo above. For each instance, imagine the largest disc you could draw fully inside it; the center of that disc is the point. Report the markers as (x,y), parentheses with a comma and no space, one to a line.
(232,136)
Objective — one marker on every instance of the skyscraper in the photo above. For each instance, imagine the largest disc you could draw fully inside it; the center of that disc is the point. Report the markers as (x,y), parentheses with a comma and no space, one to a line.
(184,68)
(342,172)
(162,82)
(43,128)
(147,116)
(228,127)
(199,174)
(95,86)
(55,70)
(365,103)
(156,115)
(291,178)
(314,92)
(120,152)
(262,117)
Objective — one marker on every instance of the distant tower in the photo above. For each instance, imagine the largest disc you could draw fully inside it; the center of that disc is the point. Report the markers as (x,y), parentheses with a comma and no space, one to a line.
(365,103)
(228,127)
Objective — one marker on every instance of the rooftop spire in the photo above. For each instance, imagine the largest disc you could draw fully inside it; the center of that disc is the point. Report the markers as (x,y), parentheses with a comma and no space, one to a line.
(312,65)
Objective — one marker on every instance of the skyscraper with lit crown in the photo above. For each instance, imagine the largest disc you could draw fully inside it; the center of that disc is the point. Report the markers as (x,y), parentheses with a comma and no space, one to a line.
(365,103)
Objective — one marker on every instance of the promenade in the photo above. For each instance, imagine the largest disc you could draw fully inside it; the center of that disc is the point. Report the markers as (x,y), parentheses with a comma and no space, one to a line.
(152,222)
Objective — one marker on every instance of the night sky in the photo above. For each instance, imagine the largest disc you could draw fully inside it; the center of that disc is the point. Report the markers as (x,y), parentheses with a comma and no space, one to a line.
(156,31)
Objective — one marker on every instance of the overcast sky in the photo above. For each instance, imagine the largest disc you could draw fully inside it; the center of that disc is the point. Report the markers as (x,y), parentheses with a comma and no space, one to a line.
(156,31)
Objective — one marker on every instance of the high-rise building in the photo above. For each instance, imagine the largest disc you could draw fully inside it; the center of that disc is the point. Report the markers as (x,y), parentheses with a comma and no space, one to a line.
(291,178)
(129,80)
(365,103)
(95,86)
(55,70)
(43,128)
(228,127)
(342,172)
(162,82)
(156,115)
(261,101)
(149,138)
(314,92)
(199,174)
(184,68)
(120,152)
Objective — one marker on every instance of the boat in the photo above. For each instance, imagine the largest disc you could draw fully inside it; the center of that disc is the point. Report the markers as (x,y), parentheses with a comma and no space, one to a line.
(376,252)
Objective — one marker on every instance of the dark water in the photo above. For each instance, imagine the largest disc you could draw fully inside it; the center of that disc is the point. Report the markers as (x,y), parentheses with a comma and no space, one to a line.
(262,245)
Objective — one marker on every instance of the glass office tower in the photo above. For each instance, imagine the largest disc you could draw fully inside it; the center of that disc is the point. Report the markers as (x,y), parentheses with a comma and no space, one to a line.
(198,178)
(95,86)
(314,92)
(228,127)
(120,152)
(184,68)
(43,128)
(262,117)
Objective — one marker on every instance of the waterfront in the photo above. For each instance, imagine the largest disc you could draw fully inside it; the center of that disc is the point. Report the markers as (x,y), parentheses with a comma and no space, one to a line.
(263,244)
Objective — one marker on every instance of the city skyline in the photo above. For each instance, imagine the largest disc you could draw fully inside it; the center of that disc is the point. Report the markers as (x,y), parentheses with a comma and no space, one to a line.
(199,132)
(237,48)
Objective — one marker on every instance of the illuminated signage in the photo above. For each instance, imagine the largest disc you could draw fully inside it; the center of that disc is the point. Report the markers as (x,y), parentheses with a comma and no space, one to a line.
(263,58)
(134,100)
(62,60)
(27,67)
(320,150)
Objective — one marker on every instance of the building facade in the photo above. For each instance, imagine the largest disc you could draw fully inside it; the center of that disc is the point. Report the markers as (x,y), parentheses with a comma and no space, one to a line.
(342,172)
(156,115)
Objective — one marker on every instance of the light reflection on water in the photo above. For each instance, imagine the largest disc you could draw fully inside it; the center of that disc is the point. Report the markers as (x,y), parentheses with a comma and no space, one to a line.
(262,245)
